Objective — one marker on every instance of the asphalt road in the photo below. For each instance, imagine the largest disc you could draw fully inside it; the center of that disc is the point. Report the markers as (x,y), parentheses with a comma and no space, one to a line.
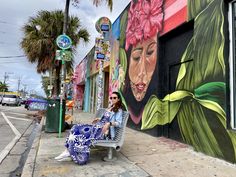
(16,136)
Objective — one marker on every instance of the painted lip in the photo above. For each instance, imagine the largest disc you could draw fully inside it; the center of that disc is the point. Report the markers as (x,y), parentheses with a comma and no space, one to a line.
(140,86)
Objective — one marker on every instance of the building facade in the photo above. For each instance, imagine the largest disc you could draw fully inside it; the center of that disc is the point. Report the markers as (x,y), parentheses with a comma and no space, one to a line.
(173,61)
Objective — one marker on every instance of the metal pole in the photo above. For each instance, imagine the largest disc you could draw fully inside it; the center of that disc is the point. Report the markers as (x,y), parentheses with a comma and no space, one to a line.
(50,82)
(5,77)
(63,68)
(18,87)
(100,86)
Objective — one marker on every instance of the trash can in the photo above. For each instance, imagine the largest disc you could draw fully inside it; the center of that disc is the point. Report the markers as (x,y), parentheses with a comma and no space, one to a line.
(53,116)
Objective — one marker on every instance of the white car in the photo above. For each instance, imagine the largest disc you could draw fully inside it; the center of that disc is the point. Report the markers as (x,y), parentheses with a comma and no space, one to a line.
(11,100)
(1,99)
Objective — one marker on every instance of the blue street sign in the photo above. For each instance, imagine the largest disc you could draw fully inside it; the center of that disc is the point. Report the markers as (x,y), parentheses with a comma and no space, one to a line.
(64,42)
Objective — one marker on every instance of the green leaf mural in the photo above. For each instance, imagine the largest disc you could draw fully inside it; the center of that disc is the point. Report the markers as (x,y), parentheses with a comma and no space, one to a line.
(123,23)
(199,100)
(214,91)
(195,7)
(202,120)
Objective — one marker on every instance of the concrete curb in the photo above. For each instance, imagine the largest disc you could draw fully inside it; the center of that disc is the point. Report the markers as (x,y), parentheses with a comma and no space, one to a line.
(29,166)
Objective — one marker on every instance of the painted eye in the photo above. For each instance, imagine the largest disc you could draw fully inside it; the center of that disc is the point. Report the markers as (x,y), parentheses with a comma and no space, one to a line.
(136,55)
(136,58)
(149,52)
(151,49)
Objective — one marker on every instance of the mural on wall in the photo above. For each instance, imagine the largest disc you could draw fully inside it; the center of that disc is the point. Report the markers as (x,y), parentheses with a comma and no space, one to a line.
(198,102)
(143,22)
(78,83)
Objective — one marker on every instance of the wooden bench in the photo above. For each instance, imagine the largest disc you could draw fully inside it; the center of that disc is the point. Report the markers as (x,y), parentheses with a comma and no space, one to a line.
(119,137)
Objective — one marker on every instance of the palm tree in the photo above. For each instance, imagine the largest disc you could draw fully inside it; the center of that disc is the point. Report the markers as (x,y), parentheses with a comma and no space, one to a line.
(3,87)
(45,83)
(40,34)
(97,3)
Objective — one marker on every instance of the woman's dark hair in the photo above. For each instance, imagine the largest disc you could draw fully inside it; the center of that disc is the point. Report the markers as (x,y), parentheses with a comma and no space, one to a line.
(118,105)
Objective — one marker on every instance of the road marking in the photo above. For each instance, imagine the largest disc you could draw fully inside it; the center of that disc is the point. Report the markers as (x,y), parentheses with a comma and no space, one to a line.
(16,113)
(8,148)
(8,109)
(16,118)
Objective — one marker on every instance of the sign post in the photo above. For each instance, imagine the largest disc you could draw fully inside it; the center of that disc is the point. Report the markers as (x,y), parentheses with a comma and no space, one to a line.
(102,53)
(63,42)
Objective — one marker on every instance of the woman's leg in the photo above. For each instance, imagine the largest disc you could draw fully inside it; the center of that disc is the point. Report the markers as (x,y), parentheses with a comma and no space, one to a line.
(78,143)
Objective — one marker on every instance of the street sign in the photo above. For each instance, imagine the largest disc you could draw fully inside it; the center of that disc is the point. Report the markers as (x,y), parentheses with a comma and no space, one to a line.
(58,55)
(64,42)
(50,87)
(66,55)
(63,55)
(103,25)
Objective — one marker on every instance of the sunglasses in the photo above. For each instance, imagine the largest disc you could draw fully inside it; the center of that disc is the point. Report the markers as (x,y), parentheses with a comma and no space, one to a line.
(113,98)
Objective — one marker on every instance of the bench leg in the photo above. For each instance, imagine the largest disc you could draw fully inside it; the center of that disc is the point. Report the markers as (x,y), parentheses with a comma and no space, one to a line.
(110,155)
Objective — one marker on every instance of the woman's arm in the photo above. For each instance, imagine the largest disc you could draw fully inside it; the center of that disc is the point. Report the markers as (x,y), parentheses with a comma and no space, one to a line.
(95,120)
(118,119)
(116,123)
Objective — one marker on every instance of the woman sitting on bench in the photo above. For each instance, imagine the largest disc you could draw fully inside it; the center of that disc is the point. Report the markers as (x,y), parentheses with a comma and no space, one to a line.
(82,136)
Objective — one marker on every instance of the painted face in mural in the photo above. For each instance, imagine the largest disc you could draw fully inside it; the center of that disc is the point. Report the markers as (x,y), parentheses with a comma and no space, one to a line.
(144,23)
(142,65)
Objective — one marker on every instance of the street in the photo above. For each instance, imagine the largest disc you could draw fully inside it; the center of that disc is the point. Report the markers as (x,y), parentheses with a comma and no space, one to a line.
(16,134)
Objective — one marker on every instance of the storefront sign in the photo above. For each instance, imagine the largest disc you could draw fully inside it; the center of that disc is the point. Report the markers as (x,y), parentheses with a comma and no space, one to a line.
(102,49)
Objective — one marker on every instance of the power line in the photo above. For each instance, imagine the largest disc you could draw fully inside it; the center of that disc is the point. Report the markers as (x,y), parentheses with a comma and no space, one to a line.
(7,33)
(17,56)
(7,43)
(11,59)
(4,22)
(13,62)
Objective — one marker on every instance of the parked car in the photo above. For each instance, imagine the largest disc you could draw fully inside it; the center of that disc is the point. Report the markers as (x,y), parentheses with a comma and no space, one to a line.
(11,100)
(23,100)
(1,99)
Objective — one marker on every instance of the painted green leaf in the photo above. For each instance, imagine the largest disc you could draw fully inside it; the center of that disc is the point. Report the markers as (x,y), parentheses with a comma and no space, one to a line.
(123,59)
(232,135)
(194,7)
(161,112)
(123,100)
(206,50)
(123,64)
(214,91)
(123,23)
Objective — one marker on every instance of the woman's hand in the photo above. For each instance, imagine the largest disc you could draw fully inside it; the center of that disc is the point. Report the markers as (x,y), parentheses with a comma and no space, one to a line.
(95,120)
(105,128)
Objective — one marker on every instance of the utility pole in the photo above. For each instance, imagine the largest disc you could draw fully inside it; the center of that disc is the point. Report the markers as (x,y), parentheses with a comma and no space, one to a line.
(18,87)
(24,90)
(5,77)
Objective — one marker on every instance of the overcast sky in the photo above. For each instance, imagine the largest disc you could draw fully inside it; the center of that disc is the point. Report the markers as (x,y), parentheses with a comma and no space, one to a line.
(15,13)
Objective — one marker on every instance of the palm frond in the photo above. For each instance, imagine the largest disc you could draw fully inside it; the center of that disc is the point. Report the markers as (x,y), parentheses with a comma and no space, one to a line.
(109,3)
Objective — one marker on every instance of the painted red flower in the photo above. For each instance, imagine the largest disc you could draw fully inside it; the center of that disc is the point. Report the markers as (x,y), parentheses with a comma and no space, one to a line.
(144,21)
